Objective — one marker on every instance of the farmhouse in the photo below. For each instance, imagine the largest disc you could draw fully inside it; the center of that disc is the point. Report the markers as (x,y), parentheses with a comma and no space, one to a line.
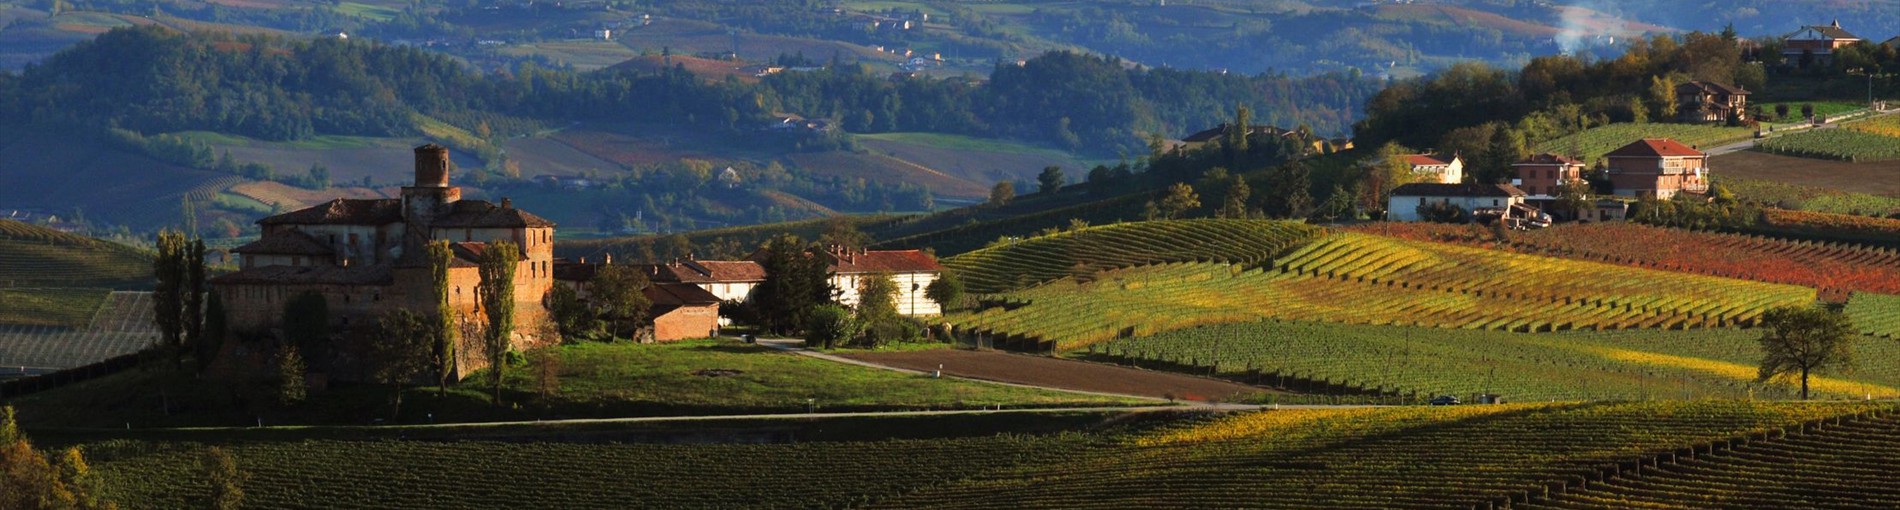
(1541,175)
(1435,168)
(729,280)
(366,258)
(1815,45)
(911,270)
(1657,168)
(1705,101)
(1473,199)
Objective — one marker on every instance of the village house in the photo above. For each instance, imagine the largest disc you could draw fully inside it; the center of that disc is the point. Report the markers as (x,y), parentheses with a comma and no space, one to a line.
(911,270)
(1815,45)
(1657,168)
(1434,168)
(729,280)
(367,258)
(1704,101)
(1476,200)
(678,311)
(1542,175)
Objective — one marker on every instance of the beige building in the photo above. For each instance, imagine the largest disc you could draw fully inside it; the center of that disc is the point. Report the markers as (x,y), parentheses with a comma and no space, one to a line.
(367,257)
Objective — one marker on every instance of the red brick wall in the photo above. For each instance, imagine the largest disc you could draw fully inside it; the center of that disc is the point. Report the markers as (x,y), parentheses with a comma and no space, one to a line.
(685,323)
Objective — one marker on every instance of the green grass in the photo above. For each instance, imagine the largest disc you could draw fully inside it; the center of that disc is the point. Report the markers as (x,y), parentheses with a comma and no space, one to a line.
(1414,457)
(1875,314)
(318,142)
(1583,365)
(1837,144)
(34,256)
(1821,109)
(597,381)
(965,143)
(1808,198)
(50,307)
(1591,144)
(379,13)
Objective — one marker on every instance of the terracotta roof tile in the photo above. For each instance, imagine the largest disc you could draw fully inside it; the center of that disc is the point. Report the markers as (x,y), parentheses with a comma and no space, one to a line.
(482,214)
(1432,189)
(1427,160)
(1548,159)
(291,242)
(310,275)
(342,211)
(1653,147)
(883,261)
(679,294)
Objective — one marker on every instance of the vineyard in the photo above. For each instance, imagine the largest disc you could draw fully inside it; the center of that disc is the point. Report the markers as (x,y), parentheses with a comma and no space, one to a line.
(33,256)
(1839,225)
(1591,144)
(1409,457)
(1025,263)
(1876,314)
(1365,279)
(1836,269)
(121,325)
(1808,198)
(472,474)
(1840,144)
(66,307)
(1849,464)
(1886,125)
(1422,362)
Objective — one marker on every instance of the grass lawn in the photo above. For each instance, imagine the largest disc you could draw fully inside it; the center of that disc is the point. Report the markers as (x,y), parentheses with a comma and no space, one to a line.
(960,142)
(700,377)
(50,307)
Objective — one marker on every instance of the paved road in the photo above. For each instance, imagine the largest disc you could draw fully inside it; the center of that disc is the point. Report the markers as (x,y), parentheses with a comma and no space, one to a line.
(1750,143)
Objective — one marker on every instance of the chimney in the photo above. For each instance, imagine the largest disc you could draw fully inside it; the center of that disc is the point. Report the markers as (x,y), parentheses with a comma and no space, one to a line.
(583,261)
(506,203)
(610,260)
(432,166)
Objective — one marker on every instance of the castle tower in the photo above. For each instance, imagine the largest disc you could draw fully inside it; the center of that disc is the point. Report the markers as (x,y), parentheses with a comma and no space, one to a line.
(427,196)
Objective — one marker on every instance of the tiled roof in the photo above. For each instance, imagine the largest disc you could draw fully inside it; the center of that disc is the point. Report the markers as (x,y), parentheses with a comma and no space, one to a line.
(482,214)
(1428,160)
(1709,87)
(1548,159)
(568,271)
(1833,31)
(342,211)
(1654,147)
(1432,189)
(882,261)
(310,275)
(289,242)
(679,294)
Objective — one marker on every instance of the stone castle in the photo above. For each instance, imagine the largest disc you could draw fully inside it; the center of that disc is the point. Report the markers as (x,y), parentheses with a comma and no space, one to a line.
(368,257)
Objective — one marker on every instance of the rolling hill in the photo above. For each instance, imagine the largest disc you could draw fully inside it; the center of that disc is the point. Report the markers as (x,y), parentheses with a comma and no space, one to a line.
(51,278)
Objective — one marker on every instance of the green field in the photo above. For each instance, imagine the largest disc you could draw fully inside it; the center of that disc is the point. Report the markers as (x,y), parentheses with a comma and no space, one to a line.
(1838,144)
(34,256)
(50,307)
(1364,279)
(596,381)
(1808,198)
(1423,362)
(1591,144)
(1415,457)
(1875,314)
(1019,264)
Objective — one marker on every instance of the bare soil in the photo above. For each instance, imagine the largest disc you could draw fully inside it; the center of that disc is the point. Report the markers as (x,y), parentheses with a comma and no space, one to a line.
(1061,373)
(1878,178)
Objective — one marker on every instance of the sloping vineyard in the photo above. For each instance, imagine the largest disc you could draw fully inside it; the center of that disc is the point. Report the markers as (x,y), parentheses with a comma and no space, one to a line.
(45,348)
(1849,464)
(1836,269)
(1363,279)
(1028,262)
(1875,314)
(1591,144)
(1837,144)
(1408,457)
(33,256)
(1424,362)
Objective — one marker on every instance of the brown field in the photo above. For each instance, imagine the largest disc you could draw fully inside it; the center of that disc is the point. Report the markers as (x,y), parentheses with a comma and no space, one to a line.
(387,160)
(886,170)
(688,37)
(711,70)
(1061,373)
(634,144)
(981,167)
(1880,178)
(549,156)
(292,197)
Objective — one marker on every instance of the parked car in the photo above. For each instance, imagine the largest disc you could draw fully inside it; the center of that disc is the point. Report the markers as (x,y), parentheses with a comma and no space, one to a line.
(1446,400)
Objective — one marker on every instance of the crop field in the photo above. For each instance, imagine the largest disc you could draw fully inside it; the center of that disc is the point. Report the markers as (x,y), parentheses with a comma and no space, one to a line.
(1770,180)
(886,170)
(1887,125)
(1832,224)
(1875,314)
(1081,252)
(1422,362)
(33,256)
(67,307)
(107,185)
(1842,465)
(1591,144)
(1412,457)
(1839,144)
(292,197)
(43,348)
(584,55)
(978,160)
(1835,269)
(1364,279)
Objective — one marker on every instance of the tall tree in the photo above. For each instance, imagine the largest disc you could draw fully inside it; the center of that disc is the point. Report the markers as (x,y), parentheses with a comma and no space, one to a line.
(841,232)
(1180,199)
(946,290)
(216,332)
(877,309)
(1234,205)
(227,482)
(619,294)
(1801,340)
(1002,193)
(795,281)
(168,295)
(291,388)
(443,326)
(402,352)
(1050,180)
(194,295)
(496,293)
